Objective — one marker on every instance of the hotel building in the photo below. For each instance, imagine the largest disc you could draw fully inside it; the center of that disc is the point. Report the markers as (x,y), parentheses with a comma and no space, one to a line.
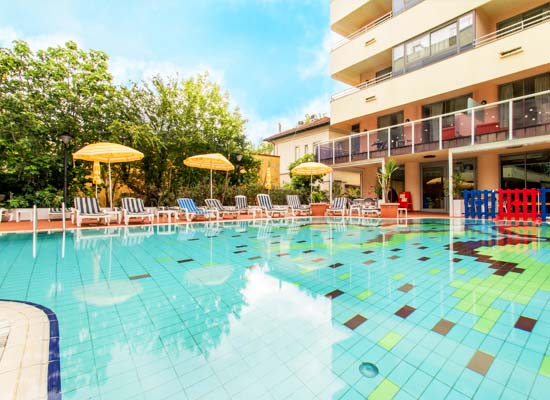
(442,87)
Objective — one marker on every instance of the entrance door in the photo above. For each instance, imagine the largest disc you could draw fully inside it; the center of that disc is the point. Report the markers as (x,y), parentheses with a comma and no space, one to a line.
(433,187)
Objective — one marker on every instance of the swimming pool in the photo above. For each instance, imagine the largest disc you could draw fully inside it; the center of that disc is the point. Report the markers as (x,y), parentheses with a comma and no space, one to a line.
(265,310)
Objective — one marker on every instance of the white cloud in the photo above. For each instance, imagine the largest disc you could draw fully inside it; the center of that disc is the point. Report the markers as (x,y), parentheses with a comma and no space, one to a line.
(259,128)
(38,42)
(124,69)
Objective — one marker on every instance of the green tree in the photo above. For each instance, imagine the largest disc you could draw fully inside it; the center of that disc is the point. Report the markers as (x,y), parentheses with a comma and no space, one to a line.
(304,183)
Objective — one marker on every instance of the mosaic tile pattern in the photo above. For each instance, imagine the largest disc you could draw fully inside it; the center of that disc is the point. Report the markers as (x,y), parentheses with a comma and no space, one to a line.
(281,321)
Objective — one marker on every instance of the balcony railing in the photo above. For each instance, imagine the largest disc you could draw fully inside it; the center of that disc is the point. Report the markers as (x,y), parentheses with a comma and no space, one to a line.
(366,28)
(520,117)
(478,42)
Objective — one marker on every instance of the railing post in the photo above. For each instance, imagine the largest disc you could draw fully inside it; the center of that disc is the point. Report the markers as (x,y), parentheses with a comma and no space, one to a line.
(412,134)
(472,127)
(510,120)
(349,149)
(440,132)
(63,216)
(368,145)
(34,219)
(389,143)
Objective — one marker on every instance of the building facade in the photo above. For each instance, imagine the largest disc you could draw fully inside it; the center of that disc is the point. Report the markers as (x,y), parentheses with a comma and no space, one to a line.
(296,142)
(444,88)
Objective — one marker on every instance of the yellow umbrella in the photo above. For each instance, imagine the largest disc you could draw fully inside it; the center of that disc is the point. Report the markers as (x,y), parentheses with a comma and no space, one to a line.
(214,161)
(267,184)
(108,153)
(96,175)
(311,168)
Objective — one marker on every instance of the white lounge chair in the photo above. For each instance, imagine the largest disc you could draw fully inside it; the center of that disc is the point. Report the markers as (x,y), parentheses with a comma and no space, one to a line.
(57,213)
(296,207)
(371,208)
(241,204)
(215,204)
(134,208)
(264,201)
(2,212)
(339,206)
(88,208)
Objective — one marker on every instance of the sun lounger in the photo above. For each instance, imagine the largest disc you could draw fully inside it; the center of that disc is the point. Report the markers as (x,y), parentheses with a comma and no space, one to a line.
(371,208)
(296,207)
(58,213)
(191,210)
(339,206)
(215,204)
(134,208)
(88,208)
(264,201)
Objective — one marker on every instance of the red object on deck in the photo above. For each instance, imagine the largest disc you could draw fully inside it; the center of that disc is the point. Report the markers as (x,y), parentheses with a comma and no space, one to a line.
(518,204)
(405,201)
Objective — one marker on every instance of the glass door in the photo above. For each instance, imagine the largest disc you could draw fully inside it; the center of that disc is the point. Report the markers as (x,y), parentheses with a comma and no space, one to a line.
(433,187)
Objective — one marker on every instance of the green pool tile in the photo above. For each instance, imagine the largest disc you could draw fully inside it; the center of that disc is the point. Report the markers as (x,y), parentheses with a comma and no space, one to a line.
(390,340)
(344,276)
(457,284)
(484,325)
(545,366)
(306,270)
(397,277)
(364,294)
(385,391)
(296,283)
(492,314)
(434,271)
(461,271)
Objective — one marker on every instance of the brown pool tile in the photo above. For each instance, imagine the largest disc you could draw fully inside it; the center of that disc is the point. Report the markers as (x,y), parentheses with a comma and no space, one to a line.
(239,251)
(274,242)
(443,327)
(422,247)
(334,294)
(136,277)
(393,257)
(355,321)
(406,287)
(255,257)
(335,265)
(405,311)
(282,254)
(396,249)
(525,323)
(368,262)
(318,259)
(480,362)
(457,259)
(308,251)
(368,252)
(241,245)
(301,241)
(185,261)
(423,258)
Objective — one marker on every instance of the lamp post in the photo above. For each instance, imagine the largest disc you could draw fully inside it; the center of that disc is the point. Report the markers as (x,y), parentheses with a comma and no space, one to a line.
(239,158)
(66,139)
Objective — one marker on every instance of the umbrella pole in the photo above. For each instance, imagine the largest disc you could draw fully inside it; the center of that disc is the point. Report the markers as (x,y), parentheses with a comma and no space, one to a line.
(311,188)
(110,188)
(211,184)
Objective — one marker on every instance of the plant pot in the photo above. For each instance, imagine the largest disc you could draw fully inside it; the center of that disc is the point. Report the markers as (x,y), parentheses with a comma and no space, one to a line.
(318,209)
(389,210)
(458,207)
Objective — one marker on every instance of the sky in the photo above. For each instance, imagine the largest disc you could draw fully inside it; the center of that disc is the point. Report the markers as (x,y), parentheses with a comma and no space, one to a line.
(271,55)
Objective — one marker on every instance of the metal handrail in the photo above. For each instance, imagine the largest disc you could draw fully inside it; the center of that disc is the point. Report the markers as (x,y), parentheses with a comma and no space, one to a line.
(366,28)
(469,110)
(478,42)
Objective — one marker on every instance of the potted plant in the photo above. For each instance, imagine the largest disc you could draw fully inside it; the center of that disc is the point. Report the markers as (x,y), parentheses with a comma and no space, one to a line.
(317,207)
(388,210)
(458,200)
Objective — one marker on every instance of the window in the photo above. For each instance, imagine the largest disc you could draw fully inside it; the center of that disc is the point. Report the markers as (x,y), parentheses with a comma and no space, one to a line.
(398,6)
(525,19)
(383,72)
(306,148)
(356,128)
(433,46)
(430,129)
(296,153)
(529,111)
(525,170)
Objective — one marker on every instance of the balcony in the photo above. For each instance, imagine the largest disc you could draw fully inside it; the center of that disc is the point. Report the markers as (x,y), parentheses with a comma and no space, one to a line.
(520,117)
(347,16)
(501,53)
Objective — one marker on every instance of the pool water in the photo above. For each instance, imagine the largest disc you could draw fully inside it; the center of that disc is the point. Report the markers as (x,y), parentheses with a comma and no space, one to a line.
(302,309)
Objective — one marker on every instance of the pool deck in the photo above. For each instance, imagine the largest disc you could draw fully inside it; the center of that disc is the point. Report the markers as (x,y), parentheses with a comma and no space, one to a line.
(45,225)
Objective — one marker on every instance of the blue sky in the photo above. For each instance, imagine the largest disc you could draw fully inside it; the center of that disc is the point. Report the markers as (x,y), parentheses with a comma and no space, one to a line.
(272,55)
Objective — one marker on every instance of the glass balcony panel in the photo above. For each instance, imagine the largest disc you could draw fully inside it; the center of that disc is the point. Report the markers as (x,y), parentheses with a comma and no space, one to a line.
(401,139)
(341,150)
(491,124)
(378,143)
(359,147)
(427,134)
(325,153)
(531,116)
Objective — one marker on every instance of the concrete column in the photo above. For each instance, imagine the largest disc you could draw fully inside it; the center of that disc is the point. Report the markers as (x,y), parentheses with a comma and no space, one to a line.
(412,183)
(488,171)
(369,180)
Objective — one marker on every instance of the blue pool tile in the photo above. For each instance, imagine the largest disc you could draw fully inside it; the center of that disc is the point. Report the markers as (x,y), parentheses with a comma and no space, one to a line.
(417,383)
(488,390)
(436,390)
(402,372)
(468,382)
(521,380)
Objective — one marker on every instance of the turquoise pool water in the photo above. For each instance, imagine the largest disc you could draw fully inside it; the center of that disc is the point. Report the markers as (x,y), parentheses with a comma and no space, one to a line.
(292,310)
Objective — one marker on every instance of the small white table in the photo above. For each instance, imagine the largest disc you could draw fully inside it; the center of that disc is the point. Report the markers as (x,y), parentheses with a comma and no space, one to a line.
(113,213)
(169,212)
(19,214)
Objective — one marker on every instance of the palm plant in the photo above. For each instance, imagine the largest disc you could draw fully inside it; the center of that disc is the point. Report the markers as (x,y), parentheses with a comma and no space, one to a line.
(384,177)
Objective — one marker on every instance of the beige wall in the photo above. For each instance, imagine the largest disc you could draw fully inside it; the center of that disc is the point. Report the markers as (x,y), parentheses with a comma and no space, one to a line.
(412,183)
(369,180)
(467,69)
(488,171)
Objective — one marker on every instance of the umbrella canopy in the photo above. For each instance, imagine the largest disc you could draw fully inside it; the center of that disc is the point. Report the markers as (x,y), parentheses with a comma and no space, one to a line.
(311,168)
(213,161)
(108,153)
(96,175)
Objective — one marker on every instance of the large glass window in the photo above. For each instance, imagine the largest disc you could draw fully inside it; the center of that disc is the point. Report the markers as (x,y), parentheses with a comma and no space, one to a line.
(435,45)
(525,170)
(526,112)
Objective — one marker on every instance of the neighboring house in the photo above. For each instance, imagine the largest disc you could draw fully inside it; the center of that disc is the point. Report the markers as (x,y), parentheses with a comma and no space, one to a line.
(417,69)
(294,143)
(268,161)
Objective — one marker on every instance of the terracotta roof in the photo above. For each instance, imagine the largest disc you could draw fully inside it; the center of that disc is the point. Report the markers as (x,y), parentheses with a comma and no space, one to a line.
(300,128)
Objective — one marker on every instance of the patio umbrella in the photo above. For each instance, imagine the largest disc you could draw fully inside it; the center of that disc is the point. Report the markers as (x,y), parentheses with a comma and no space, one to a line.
(108,153)
(311,168)
(214,161)
(96,175)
